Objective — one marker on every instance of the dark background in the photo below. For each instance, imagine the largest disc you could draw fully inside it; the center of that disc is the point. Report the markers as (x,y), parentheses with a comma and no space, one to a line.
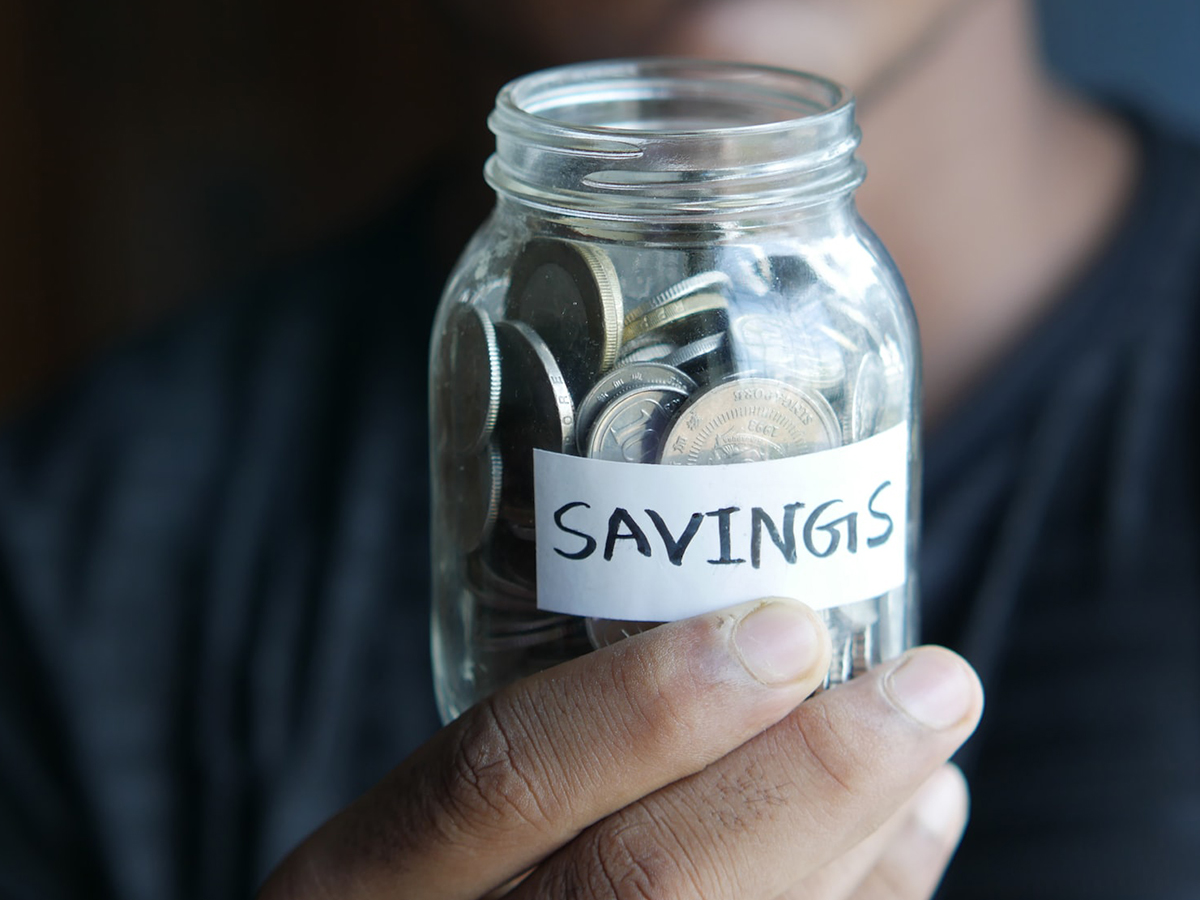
(1144,50)
(151,151)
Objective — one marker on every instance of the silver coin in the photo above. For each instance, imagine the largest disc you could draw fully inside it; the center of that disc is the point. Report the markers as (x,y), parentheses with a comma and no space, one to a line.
(800,350)
(863,651)
(705,360)
(854,645)
(648,348)
(858,615)
(569,294)
(841,660)
(693,315)
(868,394)
(748,420)
(852,319)
(704,283)
(474,509)
(536,411)
(621,380)
(897,374)
(469,379)
(631,428)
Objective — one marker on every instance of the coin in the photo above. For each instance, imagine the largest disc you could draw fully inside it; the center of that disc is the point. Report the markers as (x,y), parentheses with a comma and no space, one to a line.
(854,638)
(631,428)
(859,614)
(704,283)
(705,360)
(620,380)
(853,320)
(748,420)
(473,511)
(863,651)
(646,348)
(536,411)
(469,379)
(570,295)
(693,315)
(841,660)
(868,394)
(799,350)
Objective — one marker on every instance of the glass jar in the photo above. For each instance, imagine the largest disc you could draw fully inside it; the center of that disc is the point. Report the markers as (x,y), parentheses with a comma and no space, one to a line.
(673,371)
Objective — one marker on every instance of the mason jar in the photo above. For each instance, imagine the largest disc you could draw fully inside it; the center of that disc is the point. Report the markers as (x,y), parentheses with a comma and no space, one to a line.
(673,371)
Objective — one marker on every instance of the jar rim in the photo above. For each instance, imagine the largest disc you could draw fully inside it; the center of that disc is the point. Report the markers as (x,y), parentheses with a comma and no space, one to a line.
(531,98)
(673,139)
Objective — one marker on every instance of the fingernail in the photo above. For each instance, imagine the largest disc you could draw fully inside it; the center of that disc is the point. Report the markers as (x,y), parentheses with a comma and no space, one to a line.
(933,687)
(940,807)
(778,642)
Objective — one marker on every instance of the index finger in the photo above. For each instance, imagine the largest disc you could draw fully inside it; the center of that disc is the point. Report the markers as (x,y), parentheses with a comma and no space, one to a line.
(522,773)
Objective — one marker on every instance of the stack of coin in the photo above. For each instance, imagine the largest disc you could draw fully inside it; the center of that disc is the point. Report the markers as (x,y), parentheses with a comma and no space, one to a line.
(713,369)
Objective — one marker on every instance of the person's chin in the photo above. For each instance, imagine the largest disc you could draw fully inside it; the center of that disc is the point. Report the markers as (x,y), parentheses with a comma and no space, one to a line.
(769,32)
(851,42)
(826,38)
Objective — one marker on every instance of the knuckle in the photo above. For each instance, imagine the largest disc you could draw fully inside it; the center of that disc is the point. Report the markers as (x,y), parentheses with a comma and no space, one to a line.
(492,773)
(632,860)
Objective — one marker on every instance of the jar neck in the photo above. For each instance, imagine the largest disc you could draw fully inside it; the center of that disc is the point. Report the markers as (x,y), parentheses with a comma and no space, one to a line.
(674,142)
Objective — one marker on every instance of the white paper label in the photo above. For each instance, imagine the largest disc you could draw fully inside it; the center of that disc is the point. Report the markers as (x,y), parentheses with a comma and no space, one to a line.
(657,543)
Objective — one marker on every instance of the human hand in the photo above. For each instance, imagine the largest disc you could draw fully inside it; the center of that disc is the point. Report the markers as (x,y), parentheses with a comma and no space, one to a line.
(679,763)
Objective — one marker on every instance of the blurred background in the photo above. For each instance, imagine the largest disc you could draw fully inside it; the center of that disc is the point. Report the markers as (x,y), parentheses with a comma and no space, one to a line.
(150,152)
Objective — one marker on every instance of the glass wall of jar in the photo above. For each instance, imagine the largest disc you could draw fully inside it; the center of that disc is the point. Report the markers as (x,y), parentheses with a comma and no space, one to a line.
(674,277)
